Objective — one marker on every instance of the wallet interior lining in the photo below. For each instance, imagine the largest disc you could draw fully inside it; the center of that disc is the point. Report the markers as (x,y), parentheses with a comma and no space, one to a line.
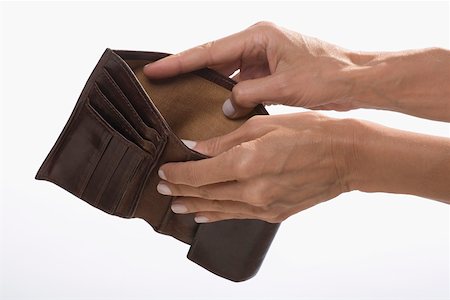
(190,104)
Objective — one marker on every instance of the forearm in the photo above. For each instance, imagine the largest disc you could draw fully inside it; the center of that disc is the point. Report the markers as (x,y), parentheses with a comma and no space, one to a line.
(396,161)
(412,82)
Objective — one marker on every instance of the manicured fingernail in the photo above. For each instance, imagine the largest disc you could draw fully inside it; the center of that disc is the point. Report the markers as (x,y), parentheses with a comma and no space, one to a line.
(228,108)
(161,174)
(178,208)
(163,189)
(190,144)
(201,219)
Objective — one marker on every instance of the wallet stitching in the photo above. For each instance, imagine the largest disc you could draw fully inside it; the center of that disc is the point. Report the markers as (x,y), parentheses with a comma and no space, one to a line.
(125,98)
(131,130)
(105,125)
(122,95)
(111,106)
(140,153)
(98,159)
(108,179)
(145,98)
(79,190)
(148,171)
(149,104)
(133,198)
(160,145)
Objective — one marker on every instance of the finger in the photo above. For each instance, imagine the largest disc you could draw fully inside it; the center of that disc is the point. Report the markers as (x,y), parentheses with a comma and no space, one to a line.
(211,211)
(247,94)
(271,216)
(207,217)
(226,50)
(231,190)
(221,168)
(248,131)
(187,205)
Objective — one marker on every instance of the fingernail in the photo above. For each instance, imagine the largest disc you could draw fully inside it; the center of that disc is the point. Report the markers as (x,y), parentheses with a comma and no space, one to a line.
(201,219)
(188,143)
(228,108)
(161,174)
(146,66)
(178,208)
(163,189)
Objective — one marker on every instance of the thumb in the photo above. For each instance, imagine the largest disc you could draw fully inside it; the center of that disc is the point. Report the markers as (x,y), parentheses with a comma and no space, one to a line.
(249,93)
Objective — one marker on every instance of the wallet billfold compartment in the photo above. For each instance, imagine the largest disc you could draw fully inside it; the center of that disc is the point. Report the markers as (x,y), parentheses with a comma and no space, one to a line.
(124,127)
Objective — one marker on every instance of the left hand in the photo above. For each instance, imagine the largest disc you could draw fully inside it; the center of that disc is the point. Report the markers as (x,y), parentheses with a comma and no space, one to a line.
(270,168)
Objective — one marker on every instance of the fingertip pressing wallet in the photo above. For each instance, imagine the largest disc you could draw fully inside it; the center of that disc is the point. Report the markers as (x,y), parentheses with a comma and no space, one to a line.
(124,127)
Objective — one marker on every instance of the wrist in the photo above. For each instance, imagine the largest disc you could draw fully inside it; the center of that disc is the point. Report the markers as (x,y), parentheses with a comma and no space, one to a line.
(345,135)
(389,160)
(413,82)
(364,141)
(363,79)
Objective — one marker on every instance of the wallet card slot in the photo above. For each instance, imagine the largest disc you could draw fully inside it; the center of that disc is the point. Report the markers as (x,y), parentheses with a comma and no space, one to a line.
(109,161)
(114,118)
(117,183)
(140,103)
(119,174)
(79,152)
(119,99)
(136,182)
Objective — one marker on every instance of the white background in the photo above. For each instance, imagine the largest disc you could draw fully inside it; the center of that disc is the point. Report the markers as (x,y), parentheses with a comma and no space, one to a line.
(54,246)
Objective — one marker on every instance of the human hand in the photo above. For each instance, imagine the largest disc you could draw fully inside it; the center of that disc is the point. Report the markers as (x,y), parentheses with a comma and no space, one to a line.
(276,66)
(269,168)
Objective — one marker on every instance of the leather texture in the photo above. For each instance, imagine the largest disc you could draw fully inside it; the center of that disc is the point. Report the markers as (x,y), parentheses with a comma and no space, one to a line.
(124,126)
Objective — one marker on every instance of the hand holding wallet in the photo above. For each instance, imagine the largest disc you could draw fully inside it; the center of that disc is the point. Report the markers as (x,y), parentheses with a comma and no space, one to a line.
(124,127)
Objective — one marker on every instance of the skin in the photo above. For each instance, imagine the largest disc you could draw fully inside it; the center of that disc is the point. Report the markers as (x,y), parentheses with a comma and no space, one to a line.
(275,166)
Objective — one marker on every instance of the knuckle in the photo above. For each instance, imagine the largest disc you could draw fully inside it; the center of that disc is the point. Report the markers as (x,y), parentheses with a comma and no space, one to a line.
(253,197)
(192,177)
(208,49)
(242,167)
(255,121)
(238,93)
(196,205)
(276,216)
(255,125)
(267,28)
(215,206)
(314,115)
(282,216)
(213,146)
(246,161)
(179,61)
(256,194)
(203,193)
(264,25)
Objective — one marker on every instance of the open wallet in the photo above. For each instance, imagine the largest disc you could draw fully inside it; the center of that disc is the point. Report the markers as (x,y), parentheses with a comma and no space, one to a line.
(124,127)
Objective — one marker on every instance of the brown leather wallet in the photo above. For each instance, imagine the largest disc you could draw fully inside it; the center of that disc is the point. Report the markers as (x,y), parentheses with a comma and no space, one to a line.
(124,126)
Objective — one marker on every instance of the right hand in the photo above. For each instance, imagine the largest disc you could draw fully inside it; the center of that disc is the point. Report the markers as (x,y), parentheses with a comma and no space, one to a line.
(275,66)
